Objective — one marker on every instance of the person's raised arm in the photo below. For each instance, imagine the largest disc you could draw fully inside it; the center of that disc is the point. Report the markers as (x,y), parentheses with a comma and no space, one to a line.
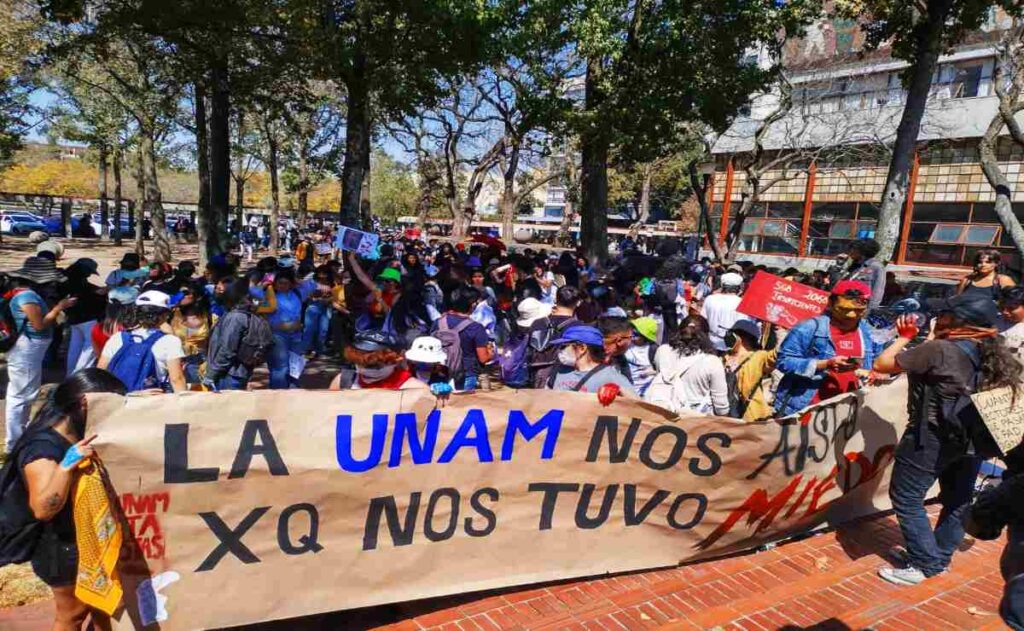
(269,304)
(886,363)
(360,273)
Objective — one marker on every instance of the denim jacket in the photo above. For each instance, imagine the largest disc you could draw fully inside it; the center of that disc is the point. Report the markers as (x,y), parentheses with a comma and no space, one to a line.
(806,343)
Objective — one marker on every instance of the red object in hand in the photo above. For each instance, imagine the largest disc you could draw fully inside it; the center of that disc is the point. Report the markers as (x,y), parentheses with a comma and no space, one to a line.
(907,327)
(607,393)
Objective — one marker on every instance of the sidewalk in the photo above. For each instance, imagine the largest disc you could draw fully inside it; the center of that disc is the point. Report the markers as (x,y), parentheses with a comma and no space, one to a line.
(824,582)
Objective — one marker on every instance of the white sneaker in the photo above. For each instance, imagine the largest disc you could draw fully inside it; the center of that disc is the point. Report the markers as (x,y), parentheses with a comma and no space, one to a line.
(902,576)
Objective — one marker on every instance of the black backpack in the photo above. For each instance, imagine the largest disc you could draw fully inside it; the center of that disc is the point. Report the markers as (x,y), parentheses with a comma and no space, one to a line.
(256,342)
(9,330)
(666,290)
(960,422)
(738,403)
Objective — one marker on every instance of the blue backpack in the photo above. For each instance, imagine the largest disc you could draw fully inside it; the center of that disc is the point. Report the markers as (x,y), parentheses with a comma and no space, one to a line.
(513,363)
(134,363)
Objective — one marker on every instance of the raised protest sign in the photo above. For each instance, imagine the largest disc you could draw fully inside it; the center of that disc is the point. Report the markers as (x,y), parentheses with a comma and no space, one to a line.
(250,506)
(781,302)
(1003,416)
(362,243)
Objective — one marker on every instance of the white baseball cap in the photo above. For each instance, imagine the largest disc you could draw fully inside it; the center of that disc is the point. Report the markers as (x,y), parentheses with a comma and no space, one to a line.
(531,310)
(153,299)
(426,350)
(731,280)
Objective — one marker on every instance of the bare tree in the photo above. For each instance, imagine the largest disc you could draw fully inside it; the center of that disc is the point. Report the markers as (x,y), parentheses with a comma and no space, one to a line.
(1008,80)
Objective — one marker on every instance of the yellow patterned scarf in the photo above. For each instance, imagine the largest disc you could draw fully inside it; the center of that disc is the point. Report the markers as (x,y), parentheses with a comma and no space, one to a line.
(98,534)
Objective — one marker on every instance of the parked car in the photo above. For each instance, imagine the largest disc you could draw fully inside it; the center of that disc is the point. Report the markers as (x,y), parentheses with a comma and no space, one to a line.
(20,222)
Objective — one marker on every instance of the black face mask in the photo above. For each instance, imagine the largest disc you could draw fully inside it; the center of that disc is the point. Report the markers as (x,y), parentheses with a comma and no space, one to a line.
(730,339)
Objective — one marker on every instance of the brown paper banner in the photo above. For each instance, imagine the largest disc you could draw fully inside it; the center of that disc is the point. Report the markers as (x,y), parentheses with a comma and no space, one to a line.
(245,507)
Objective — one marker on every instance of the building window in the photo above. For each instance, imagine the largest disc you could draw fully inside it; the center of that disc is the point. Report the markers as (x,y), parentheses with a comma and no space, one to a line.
(772,227)
(834,226)
(950,234)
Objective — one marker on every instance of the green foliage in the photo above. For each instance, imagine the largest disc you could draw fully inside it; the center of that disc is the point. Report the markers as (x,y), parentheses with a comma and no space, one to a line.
(905,25)
(393,190)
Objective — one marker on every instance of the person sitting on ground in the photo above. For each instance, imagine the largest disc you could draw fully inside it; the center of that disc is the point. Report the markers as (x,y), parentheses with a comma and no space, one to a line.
(582,368)
(47,455)
(691,377)
(827,355)
(751,365)
(380,364)
(164,369)
(965,356)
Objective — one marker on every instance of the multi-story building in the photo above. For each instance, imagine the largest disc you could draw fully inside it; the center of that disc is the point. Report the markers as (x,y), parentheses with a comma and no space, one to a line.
(854,98)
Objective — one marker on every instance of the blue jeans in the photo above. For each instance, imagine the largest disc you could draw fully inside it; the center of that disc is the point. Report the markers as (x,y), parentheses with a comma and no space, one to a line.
(227,382)
(284,343)
(921,459)
(315,326)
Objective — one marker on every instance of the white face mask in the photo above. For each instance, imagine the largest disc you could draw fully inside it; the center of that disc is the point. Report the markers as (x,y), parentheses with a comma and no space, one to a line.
(193,322)
(369,374)
(567,356)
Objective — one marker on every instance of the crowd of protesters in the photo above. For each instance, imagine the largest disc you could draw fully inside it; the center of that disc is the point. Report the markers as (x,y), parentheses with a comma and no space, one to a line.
(455,317)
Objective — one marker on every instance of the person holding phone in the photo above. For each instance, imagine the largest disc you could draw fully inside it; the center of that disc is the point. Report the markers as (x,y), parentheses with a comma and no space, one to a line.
(47,457)
(826,356)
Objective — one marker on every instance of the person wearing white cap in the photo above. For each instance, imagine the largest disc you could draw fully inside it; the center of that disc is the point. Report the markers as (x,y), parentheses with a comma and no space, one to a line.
(720,309)
(427,360)
(125,354)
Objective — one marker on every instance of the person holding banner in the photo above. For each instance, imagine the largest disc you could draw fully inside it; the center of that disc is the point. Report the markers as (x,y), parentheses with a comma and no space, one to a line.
(965,356)
(46,457)
(380,364)
(826,356)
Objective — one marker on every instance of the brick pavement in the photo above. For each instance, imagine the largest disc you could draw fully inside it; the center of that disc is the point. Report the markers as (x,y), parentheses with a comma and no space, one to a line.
(822,582)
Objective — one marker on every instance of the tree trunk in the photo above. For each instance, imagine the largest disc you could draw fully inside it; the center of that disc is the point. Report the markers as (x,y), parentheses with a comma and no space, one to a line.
(104,209)
(507,207)
(220,158)
(65,217)
(594,147)
(999,183)
(357,132)
(643,205)
(117,196)
(928,47)
(736,230)
(151,201)
(365,214)
(303,201)
(208,246)
(139,211)
(239,196)
(275,193)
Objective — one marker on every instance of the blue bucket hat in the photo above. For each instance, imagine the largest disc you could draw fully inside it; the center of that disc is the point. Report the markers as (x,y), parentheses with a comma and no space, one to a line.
(581,334)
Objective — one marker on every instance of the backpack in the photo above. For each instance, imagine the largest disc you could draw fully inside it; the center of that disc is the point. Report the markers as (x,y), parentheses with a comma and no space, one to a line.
(666,291)
(19,528)
(512,363)
(134,363)
(256,342)
(9,330)
(451,344)
(738,404)
(959,420)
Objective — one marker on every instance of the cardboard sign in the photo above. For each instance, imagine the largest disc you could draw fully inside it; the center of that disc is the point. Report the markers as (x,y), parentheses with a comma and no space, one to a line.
(241,507)
(1003,416)
(362,243)
(781,302)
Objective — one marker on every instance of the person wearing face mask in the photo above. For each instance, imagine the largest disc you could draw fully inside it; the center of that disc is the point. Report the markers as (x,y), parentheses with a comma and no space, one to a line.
(379,364)
(825,356)
(581,366)
(963,355)
(426,359)
(192,323)
(750,365)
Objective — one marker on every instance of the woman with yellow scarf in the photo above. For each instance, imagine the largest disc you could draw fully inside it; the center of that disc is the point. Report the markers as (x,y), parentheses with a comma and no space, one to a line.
(79,537)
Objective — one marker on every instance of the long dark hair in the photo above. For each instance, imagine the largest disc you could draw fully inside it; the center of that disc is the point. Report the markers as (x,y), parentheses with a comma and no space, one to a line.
(691,337)
(67,401)
(999,365)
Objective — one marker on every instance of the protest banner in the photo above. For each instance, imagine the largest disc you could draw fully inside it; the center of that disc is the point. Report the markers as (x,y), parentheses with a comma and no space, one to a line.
(362,243)
(780,301)
(251,506)
(1003,415)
